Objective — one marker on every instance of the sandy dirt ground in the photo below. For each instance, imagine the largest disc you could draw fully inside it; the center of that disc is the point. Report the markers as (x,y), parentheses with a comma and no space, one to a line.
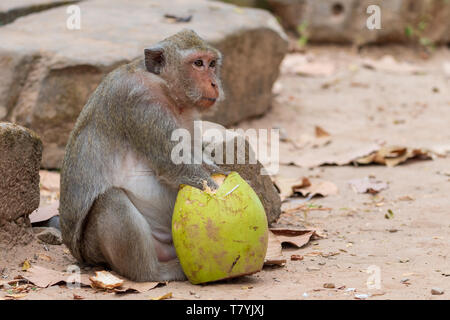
(407,255)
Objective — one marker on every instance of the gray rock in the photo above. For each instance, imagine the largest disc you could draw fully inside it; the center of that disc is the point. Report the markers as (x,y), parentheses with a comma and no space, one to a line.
(10,10)
(20,158)
(48,71)
(48,235)
(344,21)
(262,184)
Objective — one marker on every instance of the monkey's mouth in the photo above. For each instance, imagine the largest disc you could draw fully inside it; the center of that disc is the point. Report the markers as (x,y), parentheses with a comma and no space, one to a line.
(209,99)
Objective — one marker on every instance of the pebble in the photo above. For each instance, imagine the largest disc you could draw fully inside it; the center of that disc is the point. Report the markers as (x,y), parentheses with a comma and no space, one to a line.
(437,291)
(312,269)
(49,235)
(329,285)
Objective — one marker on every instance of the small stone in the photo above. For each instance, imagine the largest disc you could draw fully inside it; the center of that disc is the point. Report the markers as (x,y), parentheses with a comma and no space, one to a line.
(362,296)
(49,235)
(329,285)
(437,291)
(312,269)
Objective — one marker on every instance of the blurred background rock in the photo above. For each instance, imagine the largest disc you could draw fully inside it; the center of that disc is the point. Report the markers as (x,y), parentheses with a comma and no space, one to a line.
(48,71)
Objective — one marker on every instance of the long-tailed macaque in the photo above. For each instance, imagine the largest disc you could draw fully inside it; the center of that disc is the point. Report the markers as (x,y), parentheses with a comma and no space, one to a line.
(118,183)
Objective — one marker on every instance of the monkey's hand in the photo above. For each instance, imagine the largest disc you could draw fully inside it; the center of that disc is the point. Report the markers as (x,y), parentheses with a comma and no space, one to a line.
(215,169)
(198,176)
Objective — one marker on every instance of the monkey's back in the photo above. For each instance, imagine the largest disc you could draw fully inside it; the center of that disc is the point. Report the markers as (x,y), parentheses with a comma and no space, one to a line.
(86,167)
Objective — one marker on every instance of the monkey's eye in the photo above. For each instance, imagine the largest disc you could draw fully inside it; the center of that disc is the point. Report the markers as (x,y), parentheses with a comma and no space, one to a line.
(198,63)
(212,64)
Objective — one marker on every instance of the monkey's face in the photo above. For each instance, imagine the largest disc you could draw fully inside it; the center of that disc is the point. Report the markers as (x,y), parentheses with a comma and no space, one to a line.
(190,68)
(203,83)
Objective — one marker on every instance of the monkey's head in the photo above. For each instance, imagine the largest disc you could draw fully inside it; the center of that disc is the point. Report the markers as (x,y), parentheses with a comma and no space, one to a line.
(190,68)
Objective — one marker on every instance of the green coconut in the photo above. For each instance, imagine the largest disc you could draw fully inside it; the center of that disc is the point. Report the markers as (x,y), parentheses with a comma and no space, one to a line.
(219,235)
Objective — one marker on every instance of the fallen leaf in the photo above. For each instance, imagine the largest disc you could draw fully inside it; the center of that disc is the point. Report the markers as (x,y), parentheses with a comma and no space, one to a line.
(26,265)
(105,280)
(321,133)
(329,285)
(163,297)
(43,277)
(274,254)
(406,198)
(44,257)
(77,297)
(322,188)
(16,296)
(389,214)
(44,213)
(393,155)
(297,240)
(246,287)
(296,257)
(340,152)
(367,185)
(131,286)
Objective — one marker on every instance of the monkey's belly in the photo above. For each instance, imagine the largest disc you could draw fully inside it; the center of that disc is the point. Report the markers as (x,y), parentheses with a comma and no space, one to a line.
(154,201)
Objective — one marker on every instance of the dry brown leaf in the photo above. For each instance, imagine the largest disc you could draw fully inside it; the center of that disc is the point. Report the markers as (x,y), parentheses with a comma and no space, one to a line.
(43,277)
(77,297)
(44,213)
(284,186)
(131,286)
(105,280)
(16,296)
(297,238)
(340,152)
(274,256)
(26,265)
(367,185)
(321,133)
(296,257)
(322,188)
(394,155)
(389,64)
(163,297)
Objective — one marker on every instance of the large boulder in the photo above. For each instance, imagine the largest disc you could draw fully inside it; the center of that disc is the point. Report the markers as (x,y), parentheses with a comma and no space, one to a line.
(246,164)
(20,158)
(11,10)
(49,71)
(344,21)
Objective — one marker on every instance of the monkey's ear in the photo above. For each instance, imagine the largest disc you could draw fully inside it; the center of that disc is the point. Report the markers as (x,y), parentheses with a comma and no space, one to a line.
(154,59)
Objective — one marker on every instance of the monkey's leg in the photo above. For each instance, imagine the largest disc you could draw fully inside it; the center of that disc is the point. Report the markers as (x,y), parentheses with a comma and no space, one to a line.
(116,233)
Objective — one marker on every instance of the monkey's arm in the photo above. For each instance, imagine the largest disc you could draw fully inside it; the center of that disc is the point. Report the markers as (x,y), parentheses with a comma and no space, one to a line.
(150,128)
